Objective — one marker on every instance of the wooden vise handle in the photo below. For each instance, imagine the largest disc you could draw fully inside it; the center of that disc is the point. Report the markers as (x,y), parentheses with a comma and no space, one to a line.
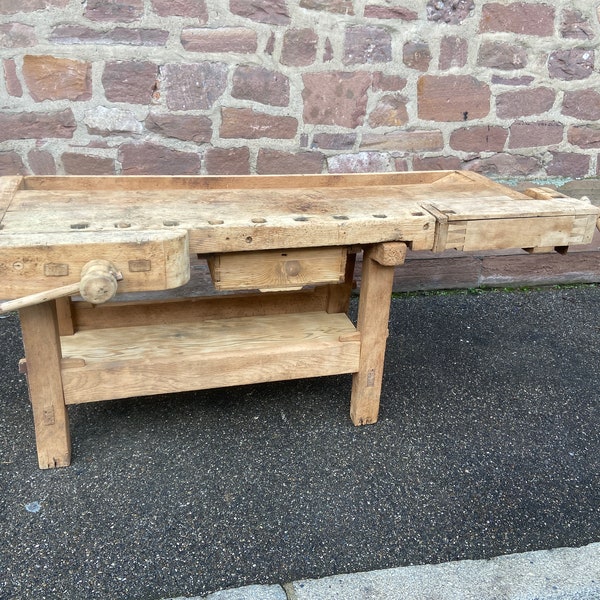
(98,284)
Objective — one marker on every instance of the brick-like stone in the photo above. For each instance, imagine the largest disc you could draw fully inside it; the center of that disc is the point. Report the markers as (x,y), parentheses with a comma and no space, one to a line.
(273,12)
(227,161)
(501,80)
(404,141)
(277,162)
(523,103)
(480,138)
(124,11)
(193,86)
(37,125)
(189,128)
(327,51)
(453,52)
(11,163)
(123,36)
(51,78)
(500,55)
(582,104)
(584,136)
(13,85)
(503,164)
(452,12)
(299,47)
(251,125)
(528,135)
(335,98)
(367,44)
(390,111)
(361,162)
(388,83)
(436,163)
(181,8)
(130,81)
(568,164)
(260,85)
(17,35)
(41,162)
(575,26)
(576,63)
(10,7)
(75,163)
(334,141)
(101,120)
(518,17)
(341,7)
(452,98)
(381,11)
(224,39)
(416,55)
(152,159)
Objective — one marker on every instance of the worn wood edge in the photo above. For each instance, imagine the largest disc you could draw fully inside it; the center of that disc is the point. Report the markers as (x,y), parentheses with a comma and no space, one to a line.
(9,185)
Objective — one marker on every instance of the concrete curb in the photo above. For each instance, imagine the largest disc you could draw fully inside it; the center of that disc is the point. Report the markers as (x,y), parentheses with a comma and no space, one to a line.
(560,574)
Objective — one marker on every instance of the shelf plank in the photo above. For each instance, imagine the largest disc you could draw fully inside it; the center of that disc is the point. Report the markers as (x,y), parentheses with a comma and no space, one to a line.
(157,359)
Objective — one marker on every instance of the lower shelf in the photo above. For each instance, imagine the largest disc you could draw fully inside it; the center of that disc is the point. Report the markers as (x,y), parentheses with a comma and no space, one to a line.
(135,361)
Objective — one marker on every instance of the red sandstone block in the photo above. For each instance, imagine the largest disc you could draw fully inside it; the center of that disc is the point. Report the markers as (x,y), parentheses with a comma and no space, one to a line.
(126,36)
(568,164)
(181,127)
(11,163)
(502,164)
(528,135)
(10,7)
(452,98)
(86,164)
(152,159)
(41,162)
(584,136)
(343,7)
(416,55)
(181,8)
(274,12)
(193,86)
(500,55)
(37,125)
(436,163)
(260,85)
(17,35)
(518,17)
(522,103)
(249,124)
(335,98)
(360,162)
(388,83)
(13,85)
(227,161)
(582,104)
(483,138)
(51,78)
(275,161)
(224,39)
(334,141)
(575,26)
(453,52)
(367,44)
(576,63)
(124,11)
(404,141)
(390,111)
(379,11)
(299,47)
(130,81)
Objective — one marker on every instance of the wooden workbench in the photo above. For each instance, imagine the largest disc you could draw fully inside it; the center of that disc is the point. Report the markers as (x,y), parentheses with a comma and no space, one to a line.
(281,252)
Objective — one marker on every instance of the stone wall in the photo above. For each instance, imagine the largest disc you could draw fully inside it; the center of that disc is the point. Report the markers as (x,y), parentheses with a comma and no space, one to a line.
(506,88)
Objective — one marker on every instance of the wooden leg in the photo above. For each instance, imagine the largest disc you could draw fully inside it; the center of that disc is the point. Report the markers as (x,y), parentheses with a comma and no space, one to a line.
(373,315)
(39,325)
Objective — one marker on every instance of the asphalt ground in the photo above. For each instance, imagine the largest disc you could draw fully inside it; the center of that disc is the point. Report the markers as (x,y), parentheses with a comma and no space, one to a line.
(488,444)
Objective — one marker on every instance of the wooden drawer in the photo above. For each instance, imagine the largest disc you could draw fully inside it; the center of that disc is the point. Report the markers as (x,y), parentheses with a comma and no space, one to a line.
(273,270)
